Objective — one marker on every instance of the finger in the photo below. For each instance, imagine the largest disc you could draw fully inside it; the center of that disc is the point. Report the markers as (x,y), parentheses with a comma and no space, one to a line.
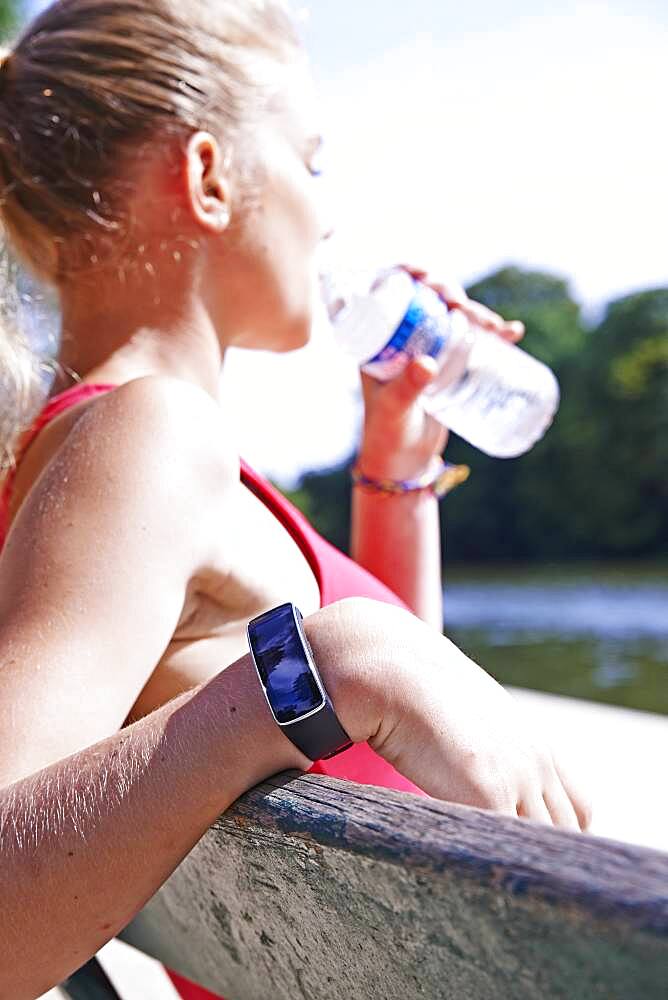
(415,272)
(580,801)
(454,296)
(560,807)
(370,388)
(482,316)
(533,807)
(404,390)
(449,290)
(511,331)
(516,329)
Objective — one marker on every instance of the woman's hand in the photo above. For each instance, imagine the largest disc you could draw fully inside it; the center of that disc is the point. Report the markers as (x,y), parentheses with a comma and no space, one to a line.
(399,439)
(440,719)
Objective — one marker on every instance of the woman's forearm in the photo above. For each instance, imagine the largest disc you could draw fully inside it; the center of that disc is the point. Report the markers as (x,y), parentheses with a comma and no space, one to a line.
(86,841)
(397,538)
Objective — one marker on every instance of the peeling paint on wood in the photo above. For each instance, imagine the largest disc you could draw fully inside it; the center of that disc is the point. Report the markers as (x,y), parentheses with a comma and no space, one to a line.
(318,889)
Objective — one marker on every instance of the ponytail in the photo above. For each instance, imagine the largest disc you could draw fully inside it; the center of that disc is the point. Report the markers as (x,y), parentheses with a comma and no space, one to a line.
(21,385)
(19,364)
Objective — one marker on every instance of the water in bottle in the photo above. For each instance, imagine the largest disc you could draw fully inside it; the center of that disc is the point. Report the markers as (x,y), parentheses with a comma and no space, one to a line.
(487,390)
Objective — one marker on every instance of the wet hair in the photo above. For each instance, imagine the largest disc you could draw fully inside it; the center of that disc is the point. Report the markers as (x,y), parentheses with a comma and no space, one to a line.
(85,86)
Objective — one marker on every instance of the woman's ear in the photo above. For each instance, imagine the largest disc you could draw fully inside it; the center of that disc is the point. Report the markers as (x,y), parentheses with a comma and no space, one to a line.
(208,186)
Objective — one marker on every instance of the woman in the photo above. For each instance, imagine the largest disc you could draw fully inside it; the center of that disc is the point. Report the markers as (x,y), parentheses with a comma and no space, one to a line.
(157,161)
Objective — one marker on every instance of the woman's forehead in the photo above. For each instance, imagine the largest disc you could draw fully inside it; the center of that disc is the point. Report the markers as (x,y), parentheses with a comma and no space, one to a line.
(297,102)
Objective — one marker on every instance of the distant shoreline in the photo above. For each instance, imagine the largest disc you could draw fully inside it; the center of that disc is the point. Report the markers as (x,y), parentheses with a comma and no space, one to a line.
(604,571)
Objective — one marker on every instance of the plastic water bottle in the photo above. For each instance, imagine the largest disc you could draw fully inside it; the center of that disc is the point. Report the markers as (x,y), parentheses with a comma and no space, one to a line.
(488,391)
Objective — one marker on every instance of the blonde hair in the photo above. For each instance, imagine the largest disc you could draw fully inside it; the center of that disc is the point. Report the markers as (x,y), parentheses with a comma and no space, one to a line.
(85,85)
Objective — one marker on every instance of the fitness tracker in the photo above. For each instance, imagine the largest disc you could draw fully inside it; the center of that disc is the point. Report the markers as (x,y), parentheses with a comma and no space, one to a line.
(292,685)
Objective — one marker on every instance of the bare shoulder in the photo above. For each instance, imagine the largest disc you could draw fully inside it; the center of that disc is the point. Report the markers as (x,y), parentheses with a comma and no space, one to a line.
(154,425)
(163,415)
(97,564)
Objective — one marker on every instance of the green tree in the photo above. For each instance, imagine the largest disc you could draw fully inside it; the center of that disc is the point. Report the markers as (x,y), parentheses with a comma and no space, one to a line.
(514,508)
(324,498)
(544,304)
(597,484)
(9,17)
(623,445)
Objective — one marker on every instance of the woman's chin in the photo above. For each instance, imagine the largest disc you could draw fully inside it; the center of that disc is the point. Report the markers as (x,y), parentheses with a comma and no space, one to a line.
(291,337)
(297,335)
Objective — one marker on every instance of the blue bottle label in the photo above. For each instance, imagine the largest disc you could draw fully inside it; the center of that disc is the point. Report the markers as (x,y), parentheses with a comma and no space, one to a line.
(425,329)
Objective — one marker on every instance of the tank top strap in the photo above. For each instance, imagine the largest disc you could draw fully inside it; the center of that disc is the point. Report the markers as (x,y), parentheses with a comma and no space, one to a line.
(292,519)
(59,404)
(54,407)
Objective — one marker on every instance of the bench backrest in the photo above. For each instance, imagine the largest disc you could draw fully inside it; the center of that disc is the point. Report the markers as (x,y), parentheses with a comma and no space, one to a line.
(310,887)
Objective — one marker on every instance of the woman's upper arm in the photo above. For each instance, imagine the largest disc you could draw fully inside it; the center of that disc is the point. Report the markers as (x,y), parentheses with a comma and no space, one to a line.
(95,568)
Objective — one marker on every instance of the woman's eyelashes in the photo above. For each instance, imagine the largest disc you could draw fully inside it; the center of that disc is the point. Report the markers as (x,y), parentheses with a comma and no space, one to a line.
(314,160)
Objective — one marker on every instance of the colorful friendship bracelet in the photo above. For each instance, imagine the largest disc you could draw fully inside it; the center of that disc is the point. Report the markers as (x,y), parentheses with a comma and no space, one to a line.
(439,479)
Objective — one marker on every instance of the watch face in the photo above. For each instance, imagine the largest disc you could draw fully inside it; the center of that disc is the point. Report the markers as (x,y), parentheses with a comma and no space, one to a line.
(291,687)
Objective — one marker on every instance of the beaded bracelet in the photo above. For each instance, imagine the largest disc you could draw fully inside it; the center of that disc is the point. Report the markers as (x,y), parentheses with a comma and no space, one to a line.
(440,478)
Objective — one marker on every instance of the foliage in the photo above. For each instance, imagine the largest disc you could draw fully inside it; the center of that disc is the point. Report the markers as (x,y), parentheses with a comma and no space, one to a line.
(626,445)
(324,498)
(9,17)
(543,303)
(597,484)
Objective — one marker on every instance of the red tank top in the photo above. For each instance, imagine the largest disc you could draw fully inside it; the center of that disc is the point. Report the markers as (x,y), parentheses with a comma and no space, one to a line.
(337,577)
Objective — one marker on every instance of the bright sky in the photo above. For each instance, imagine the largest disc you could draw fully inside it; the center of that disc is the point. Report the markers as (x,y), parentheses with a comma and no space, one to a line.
(464,137)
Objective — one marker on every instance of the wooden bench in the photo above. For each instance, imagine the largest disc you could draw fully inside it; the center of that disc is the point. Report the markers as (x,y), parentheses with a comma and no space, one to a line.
(311,888)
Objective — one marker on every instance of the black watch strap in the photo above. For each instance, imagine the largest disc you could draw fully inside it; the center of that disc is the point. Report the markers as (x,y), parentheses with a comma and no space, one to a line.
(320,736)
(284,662)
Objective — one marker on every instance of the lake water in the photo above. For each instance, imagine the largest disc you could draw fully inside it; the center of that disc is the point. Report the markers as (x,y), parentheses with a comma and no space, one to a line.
(588,631)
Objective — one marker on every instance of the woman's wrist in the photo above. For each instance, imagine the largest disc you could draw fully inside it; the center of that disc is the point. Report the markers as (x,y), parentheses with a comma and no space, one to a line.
(438,479)
(380,464)
(248,745)
(348,647)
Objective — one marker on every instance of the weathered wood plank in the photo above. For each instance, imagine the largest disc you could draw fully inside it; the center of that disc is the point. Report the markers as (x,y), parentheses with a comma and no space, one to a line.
(316,889)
